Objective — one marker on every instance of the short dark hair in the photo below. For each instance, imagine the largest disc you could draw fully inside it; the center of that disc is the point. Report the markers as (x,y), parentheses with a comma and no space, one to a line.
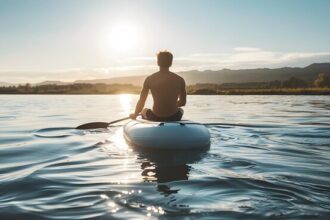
(164,59)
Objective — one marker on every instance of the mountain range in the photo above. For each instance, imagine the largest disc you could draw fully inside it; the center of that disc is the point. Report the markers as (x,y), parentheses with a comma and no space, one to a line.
(308,73)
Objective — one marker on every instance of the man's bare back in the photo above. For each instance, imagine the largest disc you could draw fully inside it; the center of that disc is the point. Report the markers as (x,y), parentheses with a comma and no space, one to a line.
(166,88)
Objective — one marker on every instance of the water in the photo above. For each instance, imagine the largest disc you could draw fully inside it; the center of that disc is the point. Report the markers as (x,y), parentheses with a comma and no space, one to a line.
(269,157)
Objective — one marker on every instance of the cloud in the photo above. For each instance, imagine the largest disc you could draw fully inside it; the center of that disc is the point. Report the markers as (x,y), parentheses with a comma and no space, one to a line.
(237,58)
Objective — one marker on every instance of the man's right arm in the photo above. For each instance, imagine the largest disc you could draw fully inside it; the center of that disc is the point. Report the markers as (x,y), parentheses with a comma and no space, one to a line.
(143,97)
(183,94)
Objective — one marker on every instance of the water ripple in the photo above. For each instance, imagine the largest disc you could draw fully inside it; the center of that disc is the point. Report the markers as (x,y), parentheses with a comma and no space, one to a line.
(269,158)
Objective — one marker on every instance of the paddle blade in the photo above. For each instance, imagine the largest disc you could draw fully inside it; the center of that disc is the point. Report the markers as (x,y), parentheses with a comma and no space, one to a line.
(93,125)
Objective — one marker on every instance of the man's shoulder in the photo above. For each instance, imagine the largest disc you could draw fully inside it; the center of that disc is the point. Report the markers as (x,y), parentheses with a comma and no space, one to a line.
(150,78)
(158,75)
(153,75)
(180,78)
(177,76)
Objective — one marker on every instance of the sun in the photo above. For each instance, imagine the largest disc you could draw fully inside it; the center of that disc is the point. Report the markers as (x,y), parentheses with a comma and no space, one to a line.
(124,36)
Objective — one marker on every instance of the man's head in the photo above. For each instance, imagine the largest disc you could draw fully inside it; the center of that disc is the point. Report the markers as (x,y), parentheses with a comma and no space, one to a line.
(164,59)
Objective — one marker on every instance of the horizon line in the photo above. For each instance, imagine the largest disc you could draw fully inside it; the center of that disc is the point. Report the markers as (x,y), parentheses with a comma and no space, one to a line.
(142,75)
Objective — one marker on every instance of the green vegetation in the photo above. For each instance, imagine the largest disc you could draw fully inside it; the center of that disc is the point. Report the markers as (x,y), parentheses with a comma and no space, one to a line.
(261,91)
(284,91)
(292,86)
(322,81)
(71,89)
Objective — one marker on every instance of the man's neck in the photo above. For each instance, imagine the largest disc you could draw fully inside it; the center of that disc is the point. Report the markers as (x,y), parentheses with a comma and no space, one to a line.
(164,69)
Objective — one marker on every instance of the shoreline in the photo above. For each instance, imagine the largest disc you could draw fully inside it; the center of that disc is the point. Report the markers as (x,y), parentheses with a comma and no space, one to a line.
(198,89)
(221,93)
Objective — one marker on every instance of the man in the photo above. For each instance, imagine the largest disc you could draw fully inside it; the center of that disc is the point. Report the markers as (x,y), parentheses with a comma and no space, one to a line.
(168,92)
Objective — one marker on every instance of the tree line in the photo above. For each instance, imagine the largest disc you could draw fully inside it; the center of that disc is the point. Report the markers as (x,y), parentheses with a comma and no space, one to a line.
(321,83)
(71,89)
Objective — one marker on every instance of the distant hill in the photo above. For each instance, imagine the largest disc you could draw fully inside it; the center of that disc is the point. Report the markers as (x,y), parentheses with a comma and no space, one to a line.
(52,83)
(308,74)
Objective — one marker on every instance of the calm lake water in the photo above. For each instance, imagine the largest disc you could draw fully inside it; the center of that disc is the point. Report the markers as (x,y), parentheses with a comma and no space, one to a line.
(269,157)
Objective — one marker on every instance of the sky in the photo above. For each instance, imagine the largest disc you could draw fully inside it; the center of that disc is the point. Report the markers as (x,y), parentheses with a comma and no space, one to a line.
(90,39)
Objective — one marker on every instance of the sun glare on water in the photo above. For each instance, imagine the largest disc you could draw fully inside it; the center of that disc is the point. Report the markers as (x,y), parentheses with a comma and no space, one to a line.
(126,103)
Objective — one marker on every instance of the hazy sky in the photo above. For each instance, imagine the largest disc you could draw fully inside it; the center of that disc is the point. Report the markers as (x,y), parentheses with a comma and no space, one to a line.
(85,39)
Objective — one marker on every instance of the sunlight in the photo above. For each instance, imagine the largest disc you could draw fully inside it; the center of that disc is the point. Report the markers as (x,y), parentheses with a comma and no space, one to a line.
(126,103)
(119,142)
(125,36)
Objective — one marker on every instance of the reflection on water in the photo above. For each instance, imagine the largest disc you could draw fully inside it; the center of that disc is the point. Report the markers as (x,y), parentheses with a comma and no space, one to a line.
(126,103)
(269,158)
(167,166)
(153,172)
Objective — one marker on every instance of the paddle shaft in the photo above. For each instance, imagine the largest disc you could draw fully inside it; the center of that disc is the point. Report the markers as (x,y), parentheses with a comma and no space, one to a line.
(119,120)
(96,125)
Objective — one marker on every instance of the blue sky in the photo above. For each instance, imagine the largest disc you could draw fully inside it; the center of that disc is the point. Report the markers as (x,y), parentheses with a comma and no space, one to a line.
(79,39)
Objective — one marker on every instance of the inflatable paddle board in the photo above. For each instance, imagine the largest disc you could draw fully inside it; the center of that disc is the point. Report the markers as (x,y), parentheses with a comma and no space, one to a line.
(174,135)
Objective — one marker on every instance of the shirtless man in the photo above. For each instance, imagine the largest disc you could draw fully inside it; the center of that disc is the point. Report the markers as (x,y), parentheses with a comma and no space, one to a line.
(168,91)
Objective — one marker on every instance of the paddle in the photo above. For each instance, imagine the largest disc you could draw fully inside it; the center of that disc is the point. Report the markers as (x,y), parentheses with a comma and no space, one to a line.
(95,125)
